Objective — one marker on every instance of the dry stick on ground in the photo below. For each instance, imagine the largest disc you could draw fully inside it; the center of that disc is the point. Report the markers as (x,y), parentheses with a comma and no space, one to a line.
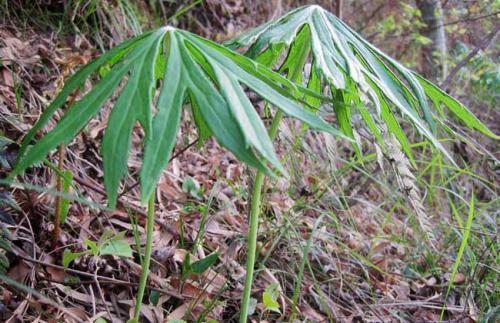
(102,279)
(57,214)
(482,46)
(101,294)
(124,204)
(183,150)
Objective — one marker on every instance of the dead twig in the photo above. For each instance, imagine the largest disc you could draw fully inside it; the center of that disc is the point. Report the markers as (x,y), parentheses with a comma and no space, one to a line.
(180,152)
(101,279)
(482,45)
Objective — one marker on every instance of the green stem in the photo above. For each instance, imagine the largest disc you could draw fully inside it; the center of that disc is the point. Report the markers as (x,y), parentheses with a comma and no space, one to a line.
(147,257)
(295,71)
(57,214)
(254,224)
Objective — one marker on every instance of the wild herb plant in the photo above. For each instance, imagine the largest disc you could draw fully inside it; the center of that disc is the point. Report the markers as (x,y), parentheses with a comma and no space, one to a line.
(170,67)
(361,80)
(173,67)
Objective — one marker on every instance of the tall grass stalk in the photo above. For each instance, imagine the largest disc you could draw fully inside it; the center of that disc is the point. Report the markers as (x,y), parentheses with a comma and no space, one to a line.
(298,283)
(463,245)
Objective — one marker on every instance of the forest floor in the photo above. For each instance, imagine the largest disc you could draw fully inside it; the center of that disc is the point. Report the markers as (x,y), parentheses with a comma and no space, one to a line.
(340,221)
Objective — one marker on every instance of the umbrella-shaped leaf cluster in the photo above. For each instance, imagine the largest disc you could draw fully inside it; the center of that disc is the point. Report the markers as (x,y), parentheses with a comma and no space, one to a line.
(152,77)
(356,72)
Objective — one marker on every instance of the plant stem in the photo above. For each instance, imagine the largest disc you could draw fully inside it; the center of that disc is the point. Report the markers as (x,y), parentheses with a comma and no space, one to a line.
(57,214)
(59,184)
(294,74)
(147,257)
(253,226)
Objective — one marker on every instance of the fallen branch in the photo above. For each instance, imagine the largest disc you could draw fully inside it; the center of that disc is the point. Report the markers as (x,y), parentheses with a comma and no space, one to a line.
(482,45)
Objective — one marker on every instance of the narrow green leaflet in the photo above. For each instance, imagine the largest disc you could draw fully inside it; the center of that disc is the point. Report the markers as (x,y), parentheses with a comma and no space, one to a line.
(314,84)
(394,128)
(134,104)
(199,266)
(343,112)
(297,55)
(152,77)
(440,97)
(203,130)
(166,122)
(75,82)
(74,119)
(246,116)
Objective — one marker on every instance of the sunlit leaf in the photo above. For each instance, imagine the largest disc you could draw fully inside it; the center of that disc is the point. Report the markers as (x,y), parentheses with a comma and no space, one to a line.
(120,248)
(357,73)
(270,298)
(201,265)
(69,256)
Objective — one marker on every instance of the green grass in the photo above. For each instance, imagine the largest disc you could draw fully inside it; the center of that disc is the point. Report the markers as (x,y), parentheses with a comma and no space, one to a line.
(104,22)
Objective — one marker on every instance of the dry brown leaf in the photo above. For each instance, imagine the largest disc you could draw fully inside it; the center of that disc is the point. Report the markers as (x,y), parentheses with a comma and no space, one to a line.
(311,314)
(19,272)
(6,77)
(178,313)
(78,312)
(81,297)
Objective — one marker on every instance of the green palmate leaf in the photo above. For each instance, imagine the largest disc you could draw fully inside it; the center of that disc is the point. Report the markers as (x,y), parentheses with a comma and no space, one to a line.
(133,104)
(152,77)
(69,256)
(199,266)
(270,298)
(114,247)
(348,63)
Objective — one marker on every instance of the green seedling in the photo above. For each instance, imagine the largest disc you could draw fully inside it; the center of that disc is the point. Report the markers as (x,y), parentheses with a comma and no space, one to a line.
(108,244)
